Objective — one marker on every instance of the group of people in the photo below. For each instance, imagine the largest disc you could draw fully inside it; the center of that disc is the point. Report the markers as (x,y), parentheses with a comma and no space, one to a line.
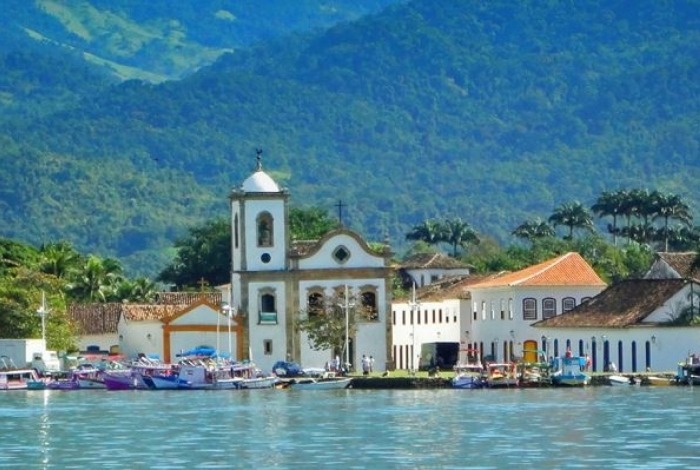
(367,364)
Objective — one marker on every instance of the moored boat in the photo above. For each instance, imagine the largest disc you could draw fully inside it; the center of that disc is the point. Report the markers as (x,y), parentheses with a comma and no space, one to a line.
(501,375)
(569,372)
(20,379)
(311,383)
(468,376)
(659,381)
(620,380)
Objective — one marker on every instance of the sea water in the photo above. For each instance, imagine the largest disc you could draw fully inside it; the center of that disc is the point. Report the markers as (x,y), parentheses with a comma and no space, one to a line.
(610,427)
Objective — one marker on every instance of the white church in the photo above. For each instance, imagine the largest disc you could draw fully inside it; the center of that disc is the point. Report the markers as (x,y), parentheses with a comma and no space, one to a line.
(274,281)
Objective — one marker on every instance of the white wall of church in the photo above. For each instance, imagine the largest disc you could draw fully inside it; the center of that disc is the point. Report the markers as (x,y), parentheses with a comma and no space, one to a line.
(359,258)
(260,333)
(370,337)
(254,252)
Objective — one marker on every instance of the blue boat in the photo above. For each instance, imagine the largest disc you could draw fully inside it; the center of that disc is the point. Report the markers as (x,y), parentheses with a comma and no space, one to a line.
(568,372)
(468,376)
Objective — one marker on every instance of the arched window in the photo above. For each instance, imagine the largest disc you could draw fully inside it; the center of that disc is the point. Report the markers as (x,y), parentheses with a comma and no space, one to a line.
(264,224)
(549,307)
(567,303)
(483,310)
(369,303)
(268,308)
(529,309)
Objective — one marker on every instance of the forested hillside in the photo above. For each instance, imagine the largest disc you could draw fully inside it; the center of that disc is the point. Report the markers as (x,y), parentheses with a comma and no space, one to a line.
(157,40)
(491,111)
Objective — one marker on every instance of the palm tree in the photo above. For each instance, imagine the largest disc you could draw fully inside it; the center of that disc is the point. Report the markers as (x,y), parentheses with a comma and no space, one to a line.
(429,231)
(533,230)
(572,215)
(670,206)
(458,233)
(610,204)
(59,259)
(140,290)
(97,279)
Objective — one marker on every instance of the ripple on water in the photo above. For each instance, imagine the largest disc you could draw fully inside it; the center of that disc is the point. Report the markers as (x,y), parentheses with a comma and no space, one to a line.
(551,428)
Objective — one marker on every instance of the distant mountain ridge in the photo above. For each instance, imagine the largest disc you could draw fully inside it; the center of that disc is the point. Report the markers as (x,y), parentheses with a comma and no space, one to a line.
(492,111)
(161,39)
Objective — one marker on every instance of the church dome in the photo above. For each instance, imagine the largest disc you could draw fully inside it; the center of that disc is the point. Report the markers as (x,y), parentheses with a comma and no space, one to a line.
(260,182)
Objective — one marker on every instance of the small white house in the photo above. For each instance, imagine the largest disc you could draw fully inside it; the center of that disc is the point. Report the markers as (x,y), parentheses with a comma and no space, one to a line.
(167,331)
(423,269)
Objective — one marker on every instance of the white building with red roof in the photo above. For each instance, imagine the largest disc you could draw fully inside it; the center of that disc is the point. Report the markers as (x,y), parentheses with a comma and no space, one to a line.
(504,308)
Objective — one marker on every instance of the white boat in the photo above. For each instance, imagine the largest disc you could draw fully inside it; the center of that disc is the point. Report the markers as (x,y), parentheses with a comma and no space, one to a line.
(311,383)
(19,379)
(620,380)
(259,382)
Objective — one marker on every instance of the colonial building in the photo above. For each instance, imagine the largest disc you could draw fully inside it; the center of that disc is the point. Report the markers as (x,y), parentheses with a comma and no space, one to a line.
(175,322)
(638,324)
(504,309)
(674,266)
(275,280)
(422,269)
(491,316)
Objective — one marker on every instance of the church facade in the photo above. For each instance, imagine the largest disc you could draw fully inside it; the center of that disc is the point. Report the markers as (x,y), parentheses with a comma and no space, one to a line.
(276,281)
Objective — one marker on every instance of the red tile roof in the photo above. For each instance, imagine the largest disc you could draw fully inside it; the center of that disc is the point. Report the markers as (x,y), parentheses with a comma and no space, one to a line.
(569,269)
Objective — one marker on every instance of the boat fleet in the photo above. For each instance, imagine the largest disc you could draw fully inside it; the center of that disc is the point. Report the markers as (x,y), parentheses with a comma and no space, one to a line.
(567,371)
(144,373)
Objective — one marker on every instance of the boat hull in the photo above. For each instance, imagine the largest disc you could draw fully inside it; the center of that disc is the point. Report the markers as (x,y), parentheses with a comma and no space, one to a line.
(259,382)
(328,384)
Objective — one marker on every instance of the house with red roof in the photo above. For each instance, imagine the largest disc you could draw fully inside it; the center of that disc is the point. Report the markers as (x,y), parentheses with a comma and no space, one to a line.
(492,315)
(637,324)
(503,309)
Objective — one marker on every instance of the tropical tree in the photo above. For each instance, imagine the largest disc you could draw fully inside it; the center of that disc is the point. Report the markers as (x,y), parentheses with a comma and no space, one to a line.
(458,233)
(139,290)
(534,229)
(203,255)
(324,322)
(59,259)
(611,204)
(310,223)
(96,280)
(670,206)
(572,215)
(429,231)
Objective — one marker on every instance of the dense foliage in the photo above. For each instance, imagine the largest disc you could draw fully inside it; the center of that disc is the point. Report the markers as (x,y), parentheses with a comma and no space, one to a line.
(496,112)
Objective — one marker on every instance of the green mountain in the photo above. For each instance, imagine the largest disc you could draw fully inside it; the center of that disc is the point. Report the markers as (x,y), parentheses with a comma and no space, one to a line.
(492,111)
(156,40)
